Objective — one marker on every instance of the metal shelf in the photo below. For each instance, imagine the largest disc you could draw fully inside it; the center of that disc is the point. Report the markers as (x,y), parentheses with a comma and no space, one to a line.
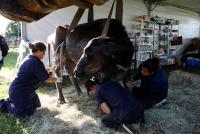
(145,52)
(146,44)
(155,37)
(146,36)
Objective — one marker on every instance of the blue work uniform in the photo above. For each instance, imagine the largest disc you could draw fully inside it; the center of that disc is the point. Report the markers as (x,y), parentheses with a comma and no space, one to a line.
(153,89)
(125,108)
(23,99)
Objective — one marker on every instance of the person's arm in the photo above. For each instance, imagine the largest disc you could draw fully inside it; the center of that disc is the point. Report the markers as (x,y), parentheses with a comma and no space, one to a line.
(105,108)
(100,100)
(51,80)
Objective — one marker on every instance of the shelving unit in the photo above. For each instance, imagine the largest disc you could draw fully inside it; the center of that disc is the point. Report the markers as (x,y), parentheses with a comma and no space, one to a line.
(144,35)
(165,34)
(154,39)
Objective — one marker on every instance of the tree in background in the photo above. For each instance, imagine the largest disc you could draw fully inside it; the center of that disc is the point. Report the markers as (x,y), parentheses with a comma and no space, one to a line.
(13,29)
(151,5)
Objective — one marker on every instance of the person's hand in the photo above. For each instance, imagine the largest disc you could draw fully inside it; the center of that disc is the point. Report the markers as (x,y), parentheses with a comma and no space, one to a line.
(51,80)
(129,84)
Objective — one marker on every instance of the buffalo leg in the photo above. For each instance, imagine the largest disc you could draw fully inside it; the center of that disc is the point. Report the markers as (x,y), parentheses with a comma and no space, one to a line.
(61,99)
(75,84)
(69,66)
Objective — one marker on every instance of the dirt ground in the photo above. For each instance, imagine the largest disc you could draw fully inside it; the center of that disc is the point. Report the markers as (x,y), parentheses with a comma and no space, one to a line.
(80,115)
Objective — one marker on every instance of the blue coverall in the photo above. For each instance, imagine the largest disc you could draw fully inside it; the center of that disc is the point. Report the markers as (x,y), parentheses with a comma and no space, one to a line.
(125,108)
(153,89)
(23,99)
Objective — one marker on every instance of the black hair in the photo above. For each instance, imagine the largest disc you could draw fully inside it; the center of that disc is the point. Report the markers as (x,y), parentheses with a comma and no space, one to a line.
(91,82)
(155,61)
(152,65)
(37,46)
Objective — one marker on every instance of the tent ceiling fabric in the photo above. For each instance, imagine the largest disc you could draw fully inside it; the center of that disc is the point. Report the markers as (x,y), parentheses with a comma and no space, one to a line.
(33,10)
(191,5)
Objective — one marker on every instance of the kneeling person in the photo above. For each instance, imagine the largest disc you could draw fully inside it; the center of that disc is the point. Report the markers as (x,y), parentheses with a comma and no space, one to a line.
(153,87)
(117,103)
(23,99)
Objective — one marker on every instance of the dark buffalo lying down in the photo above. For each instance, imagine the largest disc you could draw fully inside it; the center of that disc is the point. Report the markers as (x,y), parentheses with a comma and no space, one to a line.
(107,56)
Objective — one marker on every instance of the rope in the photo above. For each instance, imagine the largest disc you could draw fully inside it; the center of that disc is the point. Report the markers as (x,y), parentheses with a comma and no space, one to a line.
(118,15)
(106,26)
(49,55)
(77,17)
(73,24)
(119,11)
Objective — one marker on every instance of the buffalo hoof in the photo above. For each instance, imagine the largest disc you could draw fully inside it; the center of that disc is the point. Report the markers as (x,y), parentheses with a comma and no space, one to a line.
(60,102)
(79,93)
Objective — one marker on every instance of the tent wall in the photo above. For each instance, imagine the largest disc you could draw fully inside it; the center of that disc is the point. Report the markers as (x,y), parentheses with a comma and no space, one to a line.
(189,21)
(199,26)
(189,26)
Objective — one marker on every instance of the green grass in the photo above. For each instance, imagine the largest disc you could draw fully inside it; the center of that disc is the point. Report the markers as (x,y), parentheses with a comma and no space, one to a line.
(8,71)
(11,125)
(3,91)
(10,60)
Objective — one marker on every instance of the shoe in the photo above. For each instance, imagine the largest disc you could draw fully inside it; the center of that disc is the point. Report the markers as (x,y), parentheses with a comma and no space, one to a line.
(1,105)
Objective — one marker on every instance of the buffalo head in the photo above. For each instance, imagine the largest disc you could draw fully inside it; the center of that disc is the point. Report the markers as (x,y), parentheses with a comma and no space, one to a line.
(103,55)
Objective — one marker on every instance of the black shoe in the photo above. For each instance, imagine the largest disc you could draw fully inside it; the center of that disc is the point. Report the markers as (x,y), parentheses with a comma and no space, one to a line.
(142,120)
(119,128)
(1,105)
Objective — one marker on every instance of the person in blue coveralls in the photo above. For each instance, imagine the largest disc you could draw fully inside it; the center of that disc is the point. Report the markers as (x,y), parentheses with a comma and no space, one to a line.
(150,86)
(3,50)
(23,100)
(116,102)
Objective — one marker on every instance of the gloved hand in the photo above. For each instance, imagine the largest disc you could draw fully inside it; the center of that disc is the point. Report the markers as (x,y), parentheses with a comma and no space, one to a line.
(132,84)
(137,83)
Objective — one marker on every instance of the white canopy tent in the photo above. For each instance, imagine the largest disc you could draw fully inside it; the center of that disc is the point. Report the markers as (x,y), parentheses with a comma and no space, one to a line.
(191,5)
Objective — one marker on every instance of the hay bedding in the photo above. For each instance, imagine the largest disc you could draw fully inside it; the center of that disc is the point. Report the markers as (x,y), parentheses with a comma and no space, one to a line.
(80,115)
(2,78)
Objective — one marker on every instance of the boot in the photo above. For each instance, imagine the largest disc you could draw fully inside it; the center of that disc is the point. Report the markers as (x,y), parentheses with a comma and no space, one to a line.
(2,110)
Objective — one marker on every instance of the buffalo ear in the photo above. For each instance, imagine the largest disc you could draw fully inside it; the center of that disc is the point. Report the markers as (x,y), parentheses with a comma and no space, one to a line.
(108,48)
(106,51)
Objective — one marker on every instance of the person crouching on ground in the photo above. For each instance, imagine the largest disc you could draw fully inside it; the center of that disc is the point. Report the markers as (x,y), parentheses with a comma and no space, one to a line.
(153,86)
(23,99)
(117,103)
